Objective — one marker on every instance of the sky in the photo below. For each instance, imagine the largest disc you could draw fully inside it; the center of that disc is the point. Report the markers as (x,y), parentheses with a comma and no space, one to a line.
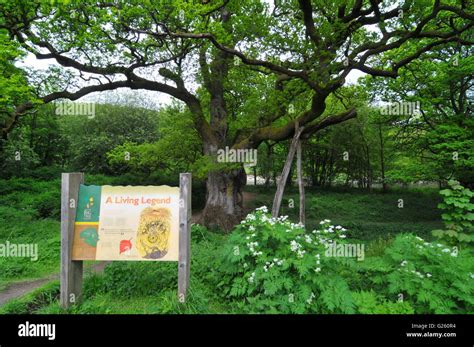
(150,99)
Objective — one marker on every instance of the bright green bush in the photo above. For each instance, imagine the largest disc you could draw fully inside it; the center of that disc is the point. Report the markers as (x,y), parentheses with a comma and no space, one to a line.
(127,279)
(432,277)
(435,278)
(371,303)
(458,216)
(274,266)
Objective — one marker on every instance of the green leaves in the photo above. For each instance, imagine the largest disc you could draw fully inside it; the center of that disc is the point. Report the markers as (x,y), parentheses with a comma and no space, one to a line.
(336,296)
(278,267)
(411,276)
(431,276)
(458,215)
(368,302)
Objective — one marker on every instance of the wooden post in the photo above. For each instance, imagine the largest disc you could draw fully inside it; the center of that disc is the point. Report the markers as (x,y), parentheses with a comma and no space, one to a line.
(300,182)
(285,172)
(185,184)
(71,270)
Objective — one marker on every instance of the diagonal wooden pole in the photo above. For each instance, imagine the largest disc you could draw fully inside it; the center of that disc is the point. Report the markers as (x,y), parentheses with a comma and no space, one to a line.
(286,169)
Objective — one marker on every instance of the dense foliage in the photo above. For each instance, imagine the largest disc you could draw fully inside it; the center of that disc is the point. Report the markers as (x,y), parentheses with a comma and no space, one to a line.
(274,266)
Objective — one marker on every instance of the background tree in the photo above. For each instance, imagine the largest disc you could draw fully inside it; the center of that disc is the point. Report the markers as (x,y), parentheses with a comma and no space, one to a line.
(440,136)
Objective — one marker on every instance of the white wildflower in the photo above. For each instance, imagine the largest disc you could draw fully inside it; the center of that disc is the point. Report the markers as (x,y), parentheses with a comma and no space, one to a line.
(310,299)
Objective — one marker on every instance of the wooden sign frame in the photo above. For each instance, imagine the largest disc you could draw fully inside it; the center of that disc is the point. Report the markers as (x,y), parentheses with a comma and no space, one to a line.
(72,271)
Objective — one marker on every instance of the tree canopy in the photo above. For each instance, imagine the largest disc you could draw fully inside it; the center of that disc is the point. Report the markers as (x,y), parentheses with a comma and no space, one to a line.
(248,71)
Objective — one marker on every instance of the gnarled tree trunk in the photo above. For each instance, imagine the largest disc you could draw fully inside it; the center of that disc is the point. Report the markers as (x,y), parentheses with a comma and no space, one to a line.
(224,199)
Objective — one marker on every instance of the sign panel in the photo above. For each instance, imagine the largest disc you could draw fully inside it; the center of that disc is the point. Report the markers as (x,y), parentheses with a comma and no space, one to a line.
(127,223)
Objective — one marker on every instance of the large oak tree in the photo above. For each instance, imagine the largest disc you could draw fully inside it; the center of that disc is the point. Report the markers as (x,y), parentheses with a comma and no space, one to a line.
(210,54)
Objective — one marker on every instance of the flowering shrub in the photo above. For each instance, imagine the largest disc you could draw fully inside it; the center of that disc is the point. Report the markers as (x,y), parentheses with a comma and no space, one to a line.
(277,267)
(435,278)
(432,277)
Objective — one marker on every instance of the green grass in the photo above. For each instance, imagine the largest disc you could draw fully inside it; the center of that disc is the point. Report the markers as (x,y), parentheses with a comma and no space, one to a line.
(29,212)
(143,287)
(367,216)
(33,301)
(23,226)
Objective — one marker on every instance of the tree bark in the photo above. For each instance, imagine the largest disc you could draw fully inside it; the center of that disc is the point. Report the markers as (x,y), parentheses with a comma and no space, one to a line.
(224,199)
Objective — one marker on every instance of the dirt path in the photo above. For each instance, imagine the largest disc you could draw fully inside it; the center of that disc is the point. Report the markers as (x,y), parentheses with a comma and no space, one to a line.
(15,290)
(18,289)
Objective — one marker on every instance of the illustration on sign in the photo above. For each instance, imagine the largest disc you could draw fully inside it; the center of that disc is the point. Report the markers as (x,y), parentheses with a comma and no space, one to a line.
(127,223)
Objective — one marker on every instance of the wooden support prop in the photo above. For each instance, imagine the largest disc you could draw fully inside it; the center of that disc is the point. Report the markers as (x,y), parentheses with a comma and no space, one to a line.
(285,172)
(71,270)
(185,184)
(300,182)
